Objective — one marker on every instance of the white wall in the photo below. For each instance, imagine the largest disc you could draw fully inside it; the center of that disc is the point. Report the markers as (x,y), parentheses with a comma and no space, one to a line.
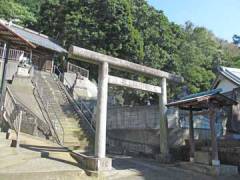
(226,85)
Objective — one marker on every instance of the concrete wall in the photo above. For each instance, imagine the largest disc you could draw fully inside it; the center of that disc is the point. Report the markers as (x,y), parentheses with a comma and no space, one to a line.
(148,141)
(136,129)
(84,88)
(226,85)
(12,68)
(147,117)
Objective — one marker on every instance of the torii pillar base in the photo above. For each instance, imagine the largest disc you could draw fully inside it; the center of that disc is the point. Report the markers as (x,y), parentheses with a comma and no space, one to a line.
(98,164)
(91,163)
(164,158)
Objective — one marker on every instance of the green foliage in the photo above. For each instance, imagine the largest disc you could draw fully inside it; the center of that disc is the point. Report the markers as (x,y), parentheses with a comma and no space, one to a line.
(131,30)
(11,10)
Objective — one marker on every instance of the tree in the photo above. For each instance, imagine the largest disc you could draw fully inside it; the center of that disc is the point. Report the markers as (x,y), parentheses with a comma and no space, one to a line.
(13,11)
(135,31)
(236,39)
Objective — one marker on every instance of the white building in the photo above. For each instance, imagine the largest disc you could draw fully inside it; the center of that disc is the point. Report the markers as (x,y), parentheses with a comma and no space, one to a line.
(228,80)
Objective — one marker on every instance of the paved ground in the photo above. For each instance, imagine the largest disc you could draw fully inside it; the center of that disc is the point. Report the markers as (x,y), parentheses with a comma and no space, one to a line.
(60,165)
(139,169)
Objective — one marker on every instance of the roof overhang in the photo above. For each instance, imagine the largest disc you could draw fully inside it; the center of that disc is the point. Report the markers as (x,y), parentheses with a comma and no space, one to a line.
(201,101)
(224,73)
(9,36)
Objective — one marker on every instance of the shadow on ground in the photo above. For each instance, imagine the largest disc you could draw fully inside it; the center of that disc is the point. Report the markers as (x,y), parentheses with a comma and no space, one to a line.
(143,169)
(60,154)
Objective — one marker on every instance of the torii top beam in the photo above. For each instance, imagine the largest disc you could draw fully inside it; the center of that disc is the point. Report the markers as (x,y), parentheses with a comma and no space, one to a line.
(94,57)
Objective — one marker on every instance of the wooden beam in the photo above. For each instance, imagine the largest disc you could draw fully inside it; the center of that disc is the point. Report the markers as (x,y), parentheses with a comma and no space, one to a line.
(96,58)
(133,84)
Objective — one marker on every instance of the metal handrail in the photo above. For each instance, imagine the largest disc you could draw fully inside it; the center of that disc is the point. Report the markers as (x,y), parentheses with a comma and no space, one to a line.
(45,103)
(82,105)
(13,112)
(90,121)
(27,111)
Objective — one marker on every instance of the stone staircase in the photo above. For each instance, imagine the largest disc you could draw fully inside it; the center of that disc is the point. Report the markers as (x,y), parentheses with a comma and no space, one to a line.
(75,130)
(29,163)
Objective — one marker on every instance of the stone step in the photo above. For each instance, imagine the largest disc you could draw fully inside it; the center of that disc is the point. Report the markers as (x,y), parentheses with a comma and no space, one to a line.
(72,129)
(83,147)
(18,158)
(2,135)
(73,134)
(70,125)
(41,168)
(75,142)
(6,151)
(71,119)
(5,143)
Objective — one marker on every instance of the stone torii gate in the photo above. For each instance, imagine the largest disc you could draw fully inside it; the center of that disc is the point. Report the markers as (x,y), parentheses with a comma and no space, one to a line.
(104,62)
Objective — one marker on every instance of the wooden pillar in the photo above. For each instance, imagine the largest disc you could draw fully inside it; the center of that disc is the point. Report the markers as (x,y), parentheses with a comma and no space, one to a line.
(191,136)
(212,117)
(164,150)
(101,116)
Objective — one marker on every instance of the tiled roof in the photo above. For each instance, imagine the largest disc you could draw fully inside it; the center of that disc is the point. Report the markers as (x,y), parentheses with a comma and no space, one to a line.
(232,74)
(35,37)
(196,96)
(201,94)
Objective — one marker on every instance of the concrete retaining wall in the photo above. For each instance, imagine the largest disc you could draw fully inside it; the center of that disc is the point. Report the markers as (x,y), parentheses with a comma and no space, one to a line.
(136,129)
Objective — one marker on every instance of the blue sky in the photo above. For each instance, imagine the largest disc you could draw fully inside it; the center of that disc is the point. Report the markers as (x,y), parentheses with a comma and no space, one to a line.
(222,17)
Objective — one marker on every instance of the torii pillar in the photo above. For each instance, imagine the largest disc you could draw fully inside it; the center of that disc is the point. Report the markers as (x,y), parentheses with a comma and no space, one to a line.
(101,162)
(164,149)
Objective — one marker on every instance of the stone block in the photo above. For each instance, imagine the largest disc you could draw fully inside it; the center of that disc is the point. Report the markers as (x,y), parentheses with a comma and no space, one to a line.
(202,157)
(92,163)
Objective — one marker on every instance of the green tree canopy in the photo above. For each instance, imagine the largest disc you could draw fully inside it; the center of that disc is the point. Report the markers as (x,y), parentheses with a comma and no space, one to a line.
(132,30)
(12,11)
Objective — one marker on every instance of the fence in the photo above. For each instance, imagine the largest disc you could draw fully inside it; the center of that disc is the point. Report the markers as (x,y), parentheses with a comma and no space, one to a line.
(76,69)
(20,118)
(13,55)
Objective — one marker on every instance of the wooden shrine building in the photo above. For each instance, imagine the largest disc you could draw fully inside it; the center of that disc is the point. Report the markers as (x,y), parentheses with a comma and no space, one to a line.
(42,51)
(210,101)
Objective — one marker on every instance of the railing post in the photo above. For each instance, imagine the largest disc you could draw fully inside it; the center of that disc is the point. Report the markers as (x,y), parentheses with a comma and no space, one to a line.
(19,128)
